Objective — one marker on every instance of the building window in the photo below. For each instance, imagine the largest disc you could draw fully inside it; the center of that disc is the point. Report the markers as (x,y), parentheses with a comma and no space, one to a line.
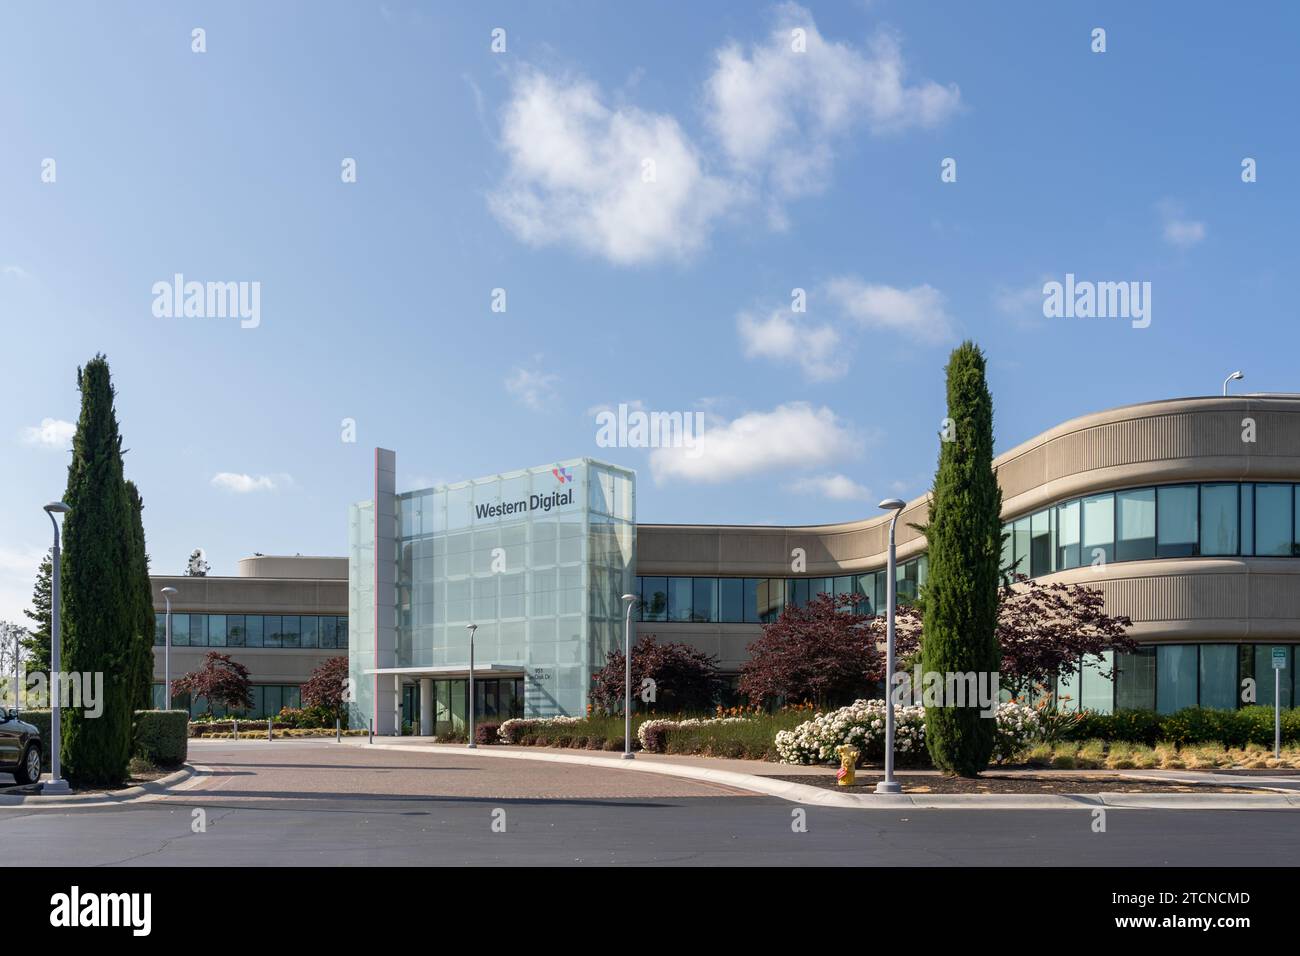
(1219,510)
(1137,525)
(654,599)
(1020,534)
(679,599)
(1177,671)
(1176,535)
(731,600)
(1273,519)
(1247,523)
(1040,544)
(1135,680)
(1218,670)
(1067,536)
(1099,529)
(704,607)
(751,600)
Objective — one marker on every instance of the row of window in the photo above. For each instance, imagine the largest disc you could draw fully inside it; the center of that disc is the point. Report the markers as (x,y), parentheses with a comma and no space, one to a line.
(761,600)
(253,630)
(268,700)
(1169,677)
(1167,521)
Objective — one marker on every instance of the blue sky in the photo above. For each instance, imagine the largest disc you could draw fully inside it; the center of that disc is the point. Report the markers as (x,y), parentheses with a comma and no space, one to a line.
(523,170)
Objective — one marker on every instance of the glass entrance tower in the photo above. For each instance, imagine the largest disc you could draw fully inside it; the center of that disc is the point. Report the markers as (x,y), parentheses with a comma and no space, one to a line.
(537,558)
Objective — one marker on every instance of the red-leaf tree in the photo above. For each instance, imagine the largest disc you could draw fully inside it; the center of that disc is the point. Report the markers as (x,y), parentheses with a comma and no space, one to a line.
(326,685)
(222,679)
(1043,630)
(817,653)
(1046,629)
(685,679)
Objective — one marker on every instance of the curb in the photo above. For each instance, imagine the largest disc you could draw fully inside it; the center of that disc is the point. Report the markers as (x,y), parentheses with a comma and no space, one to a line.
(820,796)
(144,791)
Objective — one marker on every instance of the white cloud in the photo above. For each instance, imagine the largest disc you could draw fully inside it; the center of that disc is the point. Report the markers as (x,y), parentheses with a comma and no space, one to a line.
(778,112)
(242,484)
(918,312)
(533,387)
(18,567)
(794,435)
(575,162)
(1179,230)
(837,487)
(780,337)
(50,433)
(575,175)
(11,271)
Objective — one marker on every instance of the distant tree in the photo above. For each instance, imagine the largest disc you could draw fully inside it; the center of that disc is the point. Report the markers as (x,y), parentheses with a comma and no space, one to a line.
(37,642)
(221,680)
(142,656)
(823,652)
(197,566)
(326,687)
(101,616)
(683,678)
(11,652)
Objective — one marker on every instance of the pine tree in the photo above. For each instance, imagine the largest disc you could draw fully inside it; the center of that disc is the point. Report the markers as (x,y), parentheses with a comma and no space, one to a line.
(101,610)
(964,535)
(36,644)
(142,696)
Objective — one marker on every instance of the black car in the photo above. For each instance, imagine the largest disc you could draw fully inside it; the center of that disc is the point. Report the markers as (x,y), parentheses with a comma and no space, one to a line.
(20,748)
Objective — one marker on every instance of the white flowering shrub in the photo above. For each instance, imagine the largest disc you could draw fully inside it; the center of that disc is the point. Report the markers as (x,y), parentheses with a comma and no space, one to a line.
(862,725)
(1017,727)
(513,729)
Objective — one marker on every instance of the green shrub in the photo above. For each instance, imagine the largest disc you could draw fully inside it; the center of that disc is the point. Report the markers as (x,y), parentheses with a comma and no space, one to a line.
(1130,726)
(162,736)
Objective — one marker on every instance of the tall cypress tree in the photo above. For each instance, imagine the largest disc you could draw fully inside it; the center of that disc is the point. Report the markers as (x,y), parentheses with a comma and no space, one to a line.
(101,610)
(964,535)
(142,695)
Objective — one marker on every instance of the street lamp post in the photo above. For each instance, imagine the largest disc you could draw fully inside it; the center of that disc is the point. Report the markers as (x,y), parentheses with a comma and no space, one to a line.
(631,601)
(56,783)
(889,784)
(1234,377)
(167,594)
(471,628)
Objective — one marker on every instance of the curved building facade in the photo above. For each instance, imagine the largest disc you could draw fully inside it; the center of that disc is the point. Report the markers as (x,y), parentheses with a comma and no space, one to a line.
(1184,513)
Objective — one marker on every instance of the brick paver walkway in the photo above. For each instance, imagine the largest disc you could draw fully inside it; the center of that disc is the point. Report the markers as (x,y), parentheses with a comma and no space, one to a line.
(252,770)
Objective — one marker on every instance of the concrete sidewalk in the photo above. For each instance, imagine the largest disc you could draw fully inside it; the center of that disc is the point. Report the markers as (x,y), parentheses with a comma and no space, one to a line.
(758,776)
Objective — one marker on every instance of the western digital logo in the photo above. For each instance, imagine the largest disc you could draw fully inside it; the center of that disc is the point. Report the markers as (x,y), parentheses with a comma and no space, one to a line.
(555,499)
(102,909)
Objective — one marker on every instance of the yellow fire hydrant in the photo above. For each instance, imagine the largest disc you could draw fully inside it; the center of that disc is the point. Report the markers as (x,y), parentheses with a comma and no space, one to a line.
(845,776)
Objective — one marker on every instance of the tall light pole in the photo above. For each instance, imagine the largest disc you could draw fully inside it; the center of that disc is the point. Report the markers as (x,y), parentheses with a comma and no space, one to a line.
(631,600)
(471,628)
(1234,377)
(56,783)
(168,594)
(889,784)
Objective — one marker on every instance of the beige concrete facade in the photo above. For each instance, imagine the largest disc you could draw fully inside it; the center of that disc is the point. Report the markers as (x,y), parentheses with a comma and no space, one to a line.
(266,585)
(1169,600)
(1185,600)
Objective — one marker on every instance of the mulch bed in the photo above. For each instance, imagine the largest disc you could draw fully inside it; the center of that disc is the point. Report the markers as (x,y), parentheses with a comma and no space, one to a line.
(1020,784)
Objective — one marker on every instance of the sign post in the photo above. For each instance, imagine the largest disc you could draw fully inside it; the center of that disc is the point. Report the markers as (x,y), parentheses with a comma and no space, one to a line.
(1279,664)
